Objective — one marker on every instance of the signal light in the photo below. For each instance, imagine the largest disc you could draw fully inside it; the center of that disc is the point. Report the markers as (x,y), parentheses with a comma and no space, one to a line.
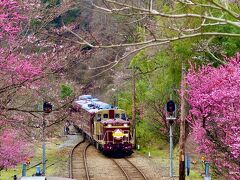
(47,107)
(171,111)
(170,106)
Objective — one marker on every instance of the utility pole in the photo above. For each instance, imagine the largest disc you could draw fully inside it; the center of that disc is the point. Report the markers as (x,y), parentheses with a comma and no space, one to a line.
(182,128)
(43,145)
(134,105)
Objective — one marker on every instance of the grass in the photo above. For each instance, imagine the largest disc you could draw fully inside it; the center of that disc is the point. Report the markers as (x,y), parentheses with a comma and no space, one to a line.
(55,158)
(163,154)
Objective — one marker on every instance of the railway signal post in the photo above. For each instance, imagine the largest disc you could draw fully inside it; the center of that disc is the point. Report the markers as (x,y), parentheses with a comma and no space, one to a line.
(47,108)
(171,117)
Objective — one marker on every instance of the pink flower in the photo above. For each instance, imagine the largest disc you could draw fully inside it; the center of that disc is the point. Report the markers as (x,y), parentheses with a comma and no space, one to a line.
(214,97)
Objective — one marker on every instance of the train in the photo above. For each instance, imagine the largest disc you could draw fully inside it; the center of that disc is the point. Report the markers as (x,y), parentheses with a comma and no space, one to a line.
(105,125)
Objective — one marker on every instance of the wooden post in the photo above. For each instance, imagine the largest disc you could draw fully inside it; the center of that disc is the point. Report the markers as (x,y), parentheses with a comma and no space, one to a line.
(182,128)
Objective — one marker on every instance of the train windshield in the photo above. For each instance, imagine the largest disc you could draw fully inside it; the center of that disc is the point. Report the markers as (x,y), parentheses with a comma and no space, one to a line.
(123,116)
(105,115)
(98,117)
(117,116)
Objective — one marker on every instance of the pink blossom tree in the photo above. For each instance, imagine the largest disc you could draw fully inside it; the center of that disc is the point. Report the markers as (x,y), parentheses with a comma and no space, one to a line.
(16,67)
(15,70)
(27,58)
(13,149)
(213,96)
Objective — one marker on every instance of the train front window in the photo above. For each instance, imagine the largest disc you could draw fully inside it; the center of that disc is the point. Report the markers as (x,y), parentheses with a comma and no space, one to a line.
(99,117)
(117,116)
(123,116)
(105,115)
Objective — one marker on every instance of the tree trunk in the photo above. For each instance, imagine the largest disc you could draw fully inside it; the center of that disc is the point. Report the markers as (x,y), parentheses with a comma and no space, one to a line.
(134,106)
(182,129)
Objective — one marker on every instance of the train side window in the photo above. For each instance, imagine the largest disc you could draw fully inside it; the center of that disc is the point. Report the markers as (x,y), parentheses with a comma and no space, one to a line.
(99,117)
(105,115)
(117,116)
(123,116)
(73,109)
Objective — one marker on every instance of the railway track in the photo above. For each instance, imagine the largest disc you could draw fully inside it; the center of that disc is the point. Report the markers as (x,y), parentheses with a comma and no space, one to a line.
(78,168)
(129,170)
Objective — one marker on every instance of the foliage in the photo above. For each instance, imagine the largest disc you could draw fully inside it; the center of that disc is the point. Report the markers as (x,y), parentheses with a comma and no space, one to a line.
(15,67)
(66,18)
(66,91)
(56,160)
(71,15)
(125,102)
(230,45)
(13,150)
(213,95)
(158,77)
(159,73)
(16,70)
(9,20)
(25,62)
(148,133)
(49,3)
(26,56)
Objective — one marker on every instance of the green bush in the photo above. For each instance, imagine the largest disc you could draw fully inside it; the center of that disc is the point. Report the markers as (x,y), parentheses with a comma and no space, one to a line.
(66,91)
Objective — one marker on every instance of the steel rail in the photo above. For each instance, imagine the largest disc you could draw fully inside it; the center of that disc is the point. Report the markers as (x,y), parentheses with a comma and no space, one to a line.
(85,161)
(124,171)
(120,167)
(143,175)
(70,165)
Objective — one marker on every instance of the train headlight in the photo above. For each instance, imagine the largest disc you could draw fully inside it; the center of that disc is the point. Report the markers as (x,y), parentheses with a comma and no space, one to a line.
(109,125)
(125,125)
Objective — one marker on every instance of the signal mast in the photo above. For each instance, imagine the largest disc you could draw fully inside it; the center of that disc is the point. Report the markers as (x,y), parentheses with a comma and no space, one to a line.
(171,117)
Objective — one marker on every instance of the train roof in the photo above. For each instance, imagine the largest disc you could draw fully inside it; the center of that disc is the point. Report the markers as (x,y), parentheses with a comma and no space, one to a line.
(92,104)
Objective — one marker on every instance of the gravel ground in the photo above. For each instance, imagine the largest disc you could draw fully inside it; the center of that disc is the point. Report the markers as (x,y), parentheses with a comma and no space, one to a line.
(101,167)
(153,168)
(70,141)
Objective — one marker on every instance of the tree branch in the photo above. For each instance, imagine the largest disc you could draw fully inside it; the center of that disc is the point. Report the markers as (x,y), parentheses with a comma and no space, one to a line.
(144,11)
(233,14)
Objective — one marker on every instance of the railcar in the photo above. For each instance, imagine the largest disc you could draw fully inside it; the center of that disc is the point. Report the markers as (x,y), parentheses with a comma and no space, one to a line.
(106,126)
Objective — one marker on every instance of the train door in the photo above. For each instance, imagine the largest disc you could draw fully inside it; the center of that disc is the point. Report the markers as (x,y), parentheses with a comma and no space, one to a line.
(111,114)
